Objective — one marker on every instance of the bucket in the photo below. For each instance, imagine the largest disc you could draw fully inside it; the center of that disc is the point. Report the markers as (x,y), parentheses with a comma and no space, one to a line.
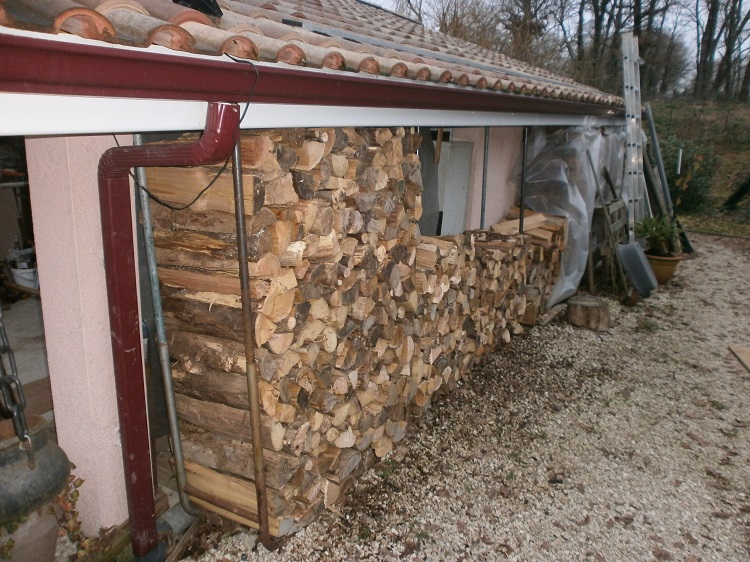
(25,277)
(26,488)
(636,266)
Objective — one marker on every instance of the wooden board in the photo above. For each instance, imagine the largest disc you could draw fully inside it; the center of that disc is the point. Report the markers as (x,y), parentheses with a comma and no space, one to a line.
(742,352)
(38,397)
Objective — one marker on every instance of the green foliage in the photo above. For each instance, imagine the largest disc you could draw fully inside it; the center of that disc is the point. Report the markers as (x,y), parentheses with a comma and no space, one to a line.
(661,235)
(65,510)
(690,188)
(645,324)
(6,545)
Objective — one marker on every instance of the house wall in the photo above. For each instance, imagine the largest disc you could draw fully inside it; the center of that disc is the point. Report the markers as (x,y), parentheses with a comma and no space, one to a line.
(67,226)
(504,150)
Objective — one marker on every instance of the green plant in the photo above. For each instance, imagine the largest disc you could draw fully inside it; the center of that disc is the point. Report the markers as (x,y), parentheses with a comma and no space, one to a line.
(690,188)
(643,324)
(6,545)
(365,533)
(64,509)
(661,236)
(716,405)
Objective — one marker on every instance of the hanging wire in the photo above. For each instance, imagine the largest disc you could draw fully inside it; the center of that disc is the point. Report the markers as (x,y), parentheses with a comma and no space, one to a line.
(210,184)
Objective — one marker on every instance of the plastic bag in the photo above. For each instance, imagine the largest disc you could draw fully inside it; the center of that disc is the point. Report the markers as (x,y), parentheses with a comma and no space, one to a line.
(559,181)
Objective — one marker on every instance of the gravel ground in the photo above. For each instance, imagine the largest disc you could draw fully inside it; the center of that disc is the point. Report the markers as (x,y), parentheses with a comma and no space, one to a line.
(569,445)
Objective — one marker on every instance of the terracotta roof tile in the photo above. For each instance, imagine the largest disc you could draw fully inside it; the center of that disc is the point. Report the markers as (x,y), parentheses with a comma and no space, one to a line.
(342,35)
(55,16)
(219,41)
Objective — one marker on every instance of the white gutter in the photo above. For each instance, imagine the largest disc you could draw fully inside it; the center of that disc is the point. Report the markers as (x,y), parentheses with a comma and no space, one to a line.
(41,115)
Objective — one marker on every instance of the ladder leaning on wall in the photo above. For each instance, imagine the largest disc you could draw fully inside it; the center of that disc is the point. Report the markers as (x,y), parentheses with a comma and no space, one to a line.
(635,181)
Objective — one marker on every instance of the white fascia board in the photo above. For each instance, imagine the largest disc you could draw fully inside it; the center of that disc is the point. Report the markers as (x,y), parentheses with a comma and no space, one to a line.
(45,115)
(41,115)
(262,116)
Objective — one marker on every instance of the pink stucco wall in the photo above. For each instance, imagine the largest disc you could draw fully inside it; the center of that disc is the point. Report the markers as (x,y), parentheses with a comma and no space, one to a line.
(504,150)
(67,228)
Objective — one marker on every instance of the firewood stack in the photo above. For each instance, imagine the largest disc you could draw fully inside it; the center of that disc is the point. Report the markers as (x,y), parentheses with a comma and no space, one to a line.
(359,320)
(548,236)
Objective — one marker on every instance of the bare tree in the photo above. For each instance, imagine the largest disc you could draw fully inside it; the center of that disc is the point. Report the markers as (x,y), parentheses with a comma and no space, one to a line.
(409,8)
(578,37)
(525,21)
(708,34)
(733,26)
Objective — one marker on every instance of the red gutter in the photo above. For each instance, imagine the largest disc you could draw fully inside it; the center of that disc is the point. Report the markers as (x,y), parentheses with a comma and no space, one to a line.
(214,146)
(41,66)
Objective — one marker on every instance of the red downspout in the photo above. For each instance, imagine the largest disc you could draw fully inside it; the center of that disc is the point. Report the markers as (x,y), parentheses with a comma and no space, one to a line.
(215,145)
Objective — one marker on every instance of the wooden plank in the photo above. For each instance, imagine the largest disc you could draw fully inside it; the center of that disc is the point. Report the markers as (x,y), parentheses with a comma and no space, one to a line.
(742,352)
(182,544)
(38,397)
(233,498)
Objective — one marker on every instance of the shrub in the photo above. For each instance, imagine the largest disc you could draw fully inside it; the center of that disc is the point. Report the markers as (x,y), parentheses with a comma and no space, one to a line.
(660,234)
(690,188)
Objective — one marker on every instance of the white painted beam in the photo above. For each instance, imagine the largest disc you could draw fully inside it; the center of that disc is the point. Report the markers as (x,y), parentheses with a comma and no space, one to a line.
(41,115)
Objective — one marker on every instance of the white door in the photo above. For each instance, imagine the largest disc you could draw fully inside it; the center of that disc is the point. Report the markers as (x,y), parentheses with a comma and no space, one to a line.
(454,177)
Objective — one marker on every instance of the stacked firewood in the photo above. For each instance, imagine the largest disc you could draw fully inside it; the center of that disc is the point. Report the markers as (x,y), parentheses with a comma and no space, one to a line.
(548,236)
(358,319)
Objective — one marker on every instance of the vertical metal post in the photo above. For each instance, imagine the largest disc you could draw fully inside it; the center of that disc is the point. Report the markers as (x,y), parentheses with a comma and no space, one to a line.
(161,337)
(252,374)
(484,175)
(659,160)
(524,156)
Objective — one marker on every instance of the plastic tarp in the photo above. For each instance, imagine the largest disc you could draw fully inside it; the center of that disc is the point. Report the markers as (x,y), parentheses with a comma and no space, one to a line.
(559,181)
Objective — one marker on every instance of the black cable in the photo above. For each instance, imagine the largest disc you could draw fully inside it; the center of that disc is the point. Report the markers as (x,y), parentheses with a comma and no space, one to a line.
(255,83)
(226,162)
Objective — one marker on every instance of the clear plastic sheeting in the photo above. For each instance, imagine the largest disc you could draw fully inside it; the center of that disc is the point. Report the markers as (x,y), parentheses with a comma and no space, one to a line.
(559,181)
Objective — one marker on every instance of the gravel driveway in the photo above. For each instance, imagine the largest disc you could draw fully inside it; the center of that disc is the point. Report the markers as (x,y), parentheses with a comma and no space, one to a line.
(571,445)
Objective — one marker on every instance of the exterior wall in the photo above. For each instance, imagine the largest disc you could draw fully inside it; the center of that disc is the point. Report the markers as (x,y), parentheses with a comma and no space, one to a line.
(67,226)
(505,148)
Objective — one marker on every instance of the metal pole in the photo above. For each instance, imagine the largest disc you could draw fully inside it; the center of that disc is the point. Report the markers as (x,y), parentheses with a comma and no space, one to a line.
(659,160)
(484,175)
(523,178)
(252,375)
(161,339)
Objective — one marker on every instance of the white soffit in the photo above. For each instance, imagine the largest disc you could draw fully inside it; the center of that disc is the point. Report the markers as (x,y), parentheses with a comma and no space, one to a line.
(40,114)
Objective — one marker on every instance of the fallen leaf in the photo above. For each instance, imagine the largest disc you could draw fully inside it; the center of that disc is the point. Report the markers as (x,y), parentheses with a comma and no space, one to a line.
(662,554)
(690,538)
(702,442)
(625,520)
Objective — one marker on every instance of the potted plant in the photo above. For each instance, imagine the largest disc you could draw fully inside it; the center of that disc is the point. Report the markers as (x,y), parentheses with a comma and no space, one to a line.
(662,245)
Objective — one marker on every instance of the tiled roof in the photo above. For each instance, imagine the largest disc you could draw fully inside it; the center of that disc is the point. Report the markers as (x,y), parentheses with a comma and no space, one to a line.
(348,36)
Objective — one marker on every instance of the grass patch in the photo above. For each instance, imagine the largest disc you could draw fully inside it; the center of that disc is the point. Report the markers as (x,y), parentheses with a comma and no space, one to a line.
(719,406)
(365,533)
(386,468)
(715,139)
(645,324)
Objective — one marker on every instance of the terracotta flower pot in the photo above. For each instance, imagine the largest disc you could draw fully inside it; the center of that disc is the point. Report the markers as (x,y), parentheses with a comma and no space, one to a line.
(663,267)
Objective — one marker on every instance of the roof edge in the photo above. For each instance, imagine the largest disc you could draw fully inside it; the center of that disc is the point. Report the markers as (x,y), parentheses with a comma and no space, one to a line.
(29,64)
